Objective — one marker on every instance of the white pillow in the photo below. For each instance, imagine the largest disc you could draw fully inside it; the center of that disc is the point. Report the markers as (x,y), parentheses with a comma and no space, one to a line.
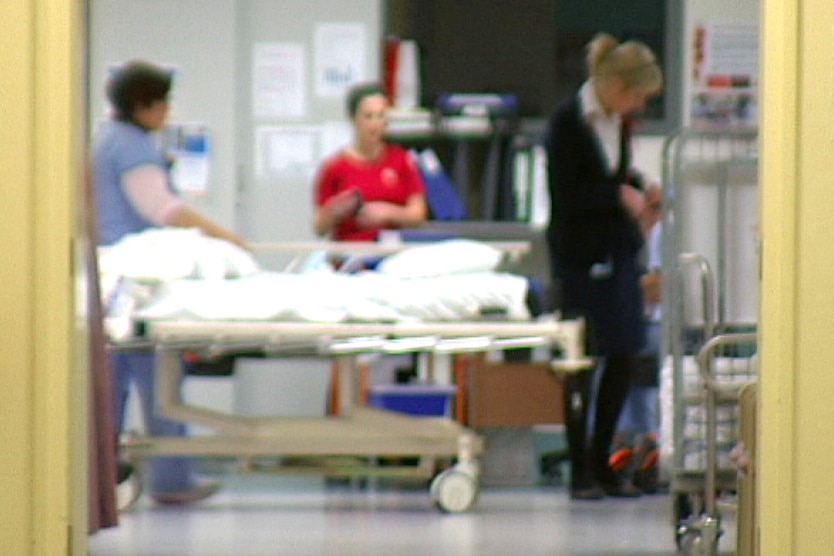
(163,254)
(455,256)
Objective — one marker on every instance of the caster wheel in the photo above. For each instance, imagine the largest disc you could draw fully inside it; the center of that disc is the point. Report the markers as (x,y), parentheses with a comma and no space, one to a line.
(454,491)
(690,544)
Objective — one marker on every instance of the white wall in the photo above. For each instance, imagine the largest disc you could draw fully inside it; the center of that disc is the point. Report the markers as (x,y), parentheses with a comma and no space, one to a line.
(198,37)
(275,201)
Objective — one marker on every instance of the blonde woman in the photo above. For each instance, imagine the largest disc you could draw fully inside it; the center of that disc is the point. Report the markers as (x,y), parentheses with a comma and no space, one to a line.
(600,211)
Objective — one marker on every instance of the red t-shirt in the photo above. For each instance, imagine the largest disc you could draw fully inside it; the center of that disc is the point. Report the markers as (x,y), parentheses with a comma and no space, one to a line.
(393,177)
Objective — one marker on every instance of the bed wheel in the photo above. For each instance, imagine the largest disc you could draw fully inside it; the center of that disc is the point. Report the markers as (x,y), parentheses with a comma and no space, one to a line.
(454,490)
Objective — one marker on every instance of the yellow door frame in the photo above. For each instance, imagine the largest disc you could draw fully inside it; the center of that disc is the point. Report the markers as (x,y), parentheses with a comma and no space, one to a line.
(42,471)
(796,513)
(41,464)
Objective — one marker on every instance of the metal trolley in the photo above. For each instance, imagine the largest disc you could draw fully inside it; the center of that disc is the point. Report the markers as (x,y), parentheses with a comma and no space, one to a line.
(710,257)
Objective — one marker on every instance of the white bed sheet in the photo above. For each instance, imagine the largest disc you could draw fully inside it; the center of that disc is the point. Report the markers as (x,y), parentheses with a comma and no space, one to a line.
(171,274)
(335,298)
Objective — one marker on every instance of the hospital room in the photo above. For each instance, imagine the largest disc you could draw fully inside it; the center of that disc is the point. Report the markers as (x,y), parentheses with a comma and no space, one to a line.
(424,276)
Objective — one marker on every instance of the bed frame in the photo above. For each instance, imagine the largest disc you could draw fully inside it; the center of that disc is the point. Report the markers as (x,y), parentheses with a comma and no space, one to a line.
(351,442)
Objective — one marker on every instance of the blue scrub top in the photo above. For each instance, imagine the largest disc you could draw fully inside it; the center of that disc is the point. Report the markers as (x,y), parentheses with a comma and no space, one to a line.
(121,147)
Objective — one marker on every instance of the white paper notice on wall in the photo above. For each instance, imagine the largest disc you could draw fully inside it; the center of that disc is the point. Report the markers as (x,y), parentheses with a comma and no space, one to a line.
(725,75)
(340,59)
(286,150)
(726,54)
(189,148)
(278,80)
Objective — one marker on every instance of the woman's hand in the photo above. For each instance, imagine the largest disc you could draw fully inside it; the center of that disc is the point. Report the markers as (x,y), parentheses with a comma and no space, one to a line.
(632,200)
(343,205)
(644,206)
(376,214)
(652,284)
(381,214)
(653,210)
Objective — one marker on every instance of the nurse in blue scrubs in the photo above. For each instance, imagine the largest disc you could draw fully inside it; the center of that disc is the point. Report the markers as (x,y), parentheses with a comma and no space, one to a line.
(133,192)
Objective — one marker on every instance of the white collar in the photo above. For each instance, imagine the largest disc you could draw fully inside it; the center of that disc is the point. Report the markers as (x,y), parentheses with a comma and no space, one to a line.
(592,107)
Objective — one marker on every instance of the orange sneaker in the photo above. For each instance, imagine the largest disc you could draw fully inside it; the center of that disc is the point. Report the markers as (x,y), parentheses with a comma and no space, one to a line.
(620,459)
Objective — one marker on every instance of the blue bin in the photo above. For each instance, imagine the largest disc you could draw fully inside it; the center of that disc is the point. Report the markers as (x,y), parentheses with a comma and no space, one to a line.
(413,399)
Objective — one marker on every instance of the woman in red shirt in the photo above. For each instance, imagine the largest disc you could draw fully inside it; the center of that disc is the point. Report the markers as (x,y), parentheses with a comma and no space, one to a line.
(370,185)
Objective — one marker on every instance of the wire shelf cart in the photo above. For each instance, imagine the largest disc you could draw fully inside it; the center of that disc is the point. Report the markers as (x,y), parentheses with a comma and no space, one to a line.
(710,257)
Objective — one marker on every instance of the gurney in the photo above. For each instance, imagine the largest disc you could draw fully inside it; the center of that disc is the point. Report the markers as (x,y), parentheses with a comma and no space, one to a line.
(350,442)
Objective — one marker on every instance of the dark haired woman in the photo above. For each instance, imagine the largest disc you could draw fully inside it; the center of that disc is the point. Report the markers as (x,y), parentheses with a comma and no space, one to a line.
(370,185)
(133,192)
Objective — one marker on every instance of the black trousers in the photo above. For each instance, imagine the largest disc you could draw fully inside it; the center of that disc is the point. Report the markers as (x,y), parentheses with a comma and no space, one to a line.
(590,452)
(613,308)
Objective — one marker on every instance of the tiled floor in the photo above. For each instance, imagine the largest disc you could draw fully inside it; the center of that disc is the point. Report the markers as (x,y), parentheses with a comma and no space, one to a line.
(283,515)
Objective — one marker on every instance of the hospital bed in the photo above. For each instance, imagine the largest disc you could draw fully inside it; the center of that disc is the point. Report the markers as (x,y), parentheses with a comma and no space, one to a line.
(351,442)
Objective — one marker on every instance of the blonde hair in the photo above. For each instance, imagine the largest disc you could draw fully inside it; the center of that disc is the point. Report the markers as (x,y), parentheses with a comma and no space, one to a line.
(632,61)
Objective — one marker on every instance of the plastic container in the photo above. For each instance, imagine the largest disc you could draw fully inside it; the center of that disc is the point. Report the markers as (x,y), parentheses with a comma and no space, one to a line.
(413,399)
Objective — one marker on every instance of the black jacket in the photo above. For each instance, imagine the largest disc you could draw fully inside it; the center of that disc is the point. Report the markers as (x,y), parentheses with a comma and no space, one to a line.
(587,221)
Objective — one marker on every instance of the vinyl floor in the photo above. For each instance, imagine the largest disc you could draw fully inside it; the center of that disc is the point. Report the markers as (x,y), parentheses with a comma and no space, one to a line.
(269,515)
